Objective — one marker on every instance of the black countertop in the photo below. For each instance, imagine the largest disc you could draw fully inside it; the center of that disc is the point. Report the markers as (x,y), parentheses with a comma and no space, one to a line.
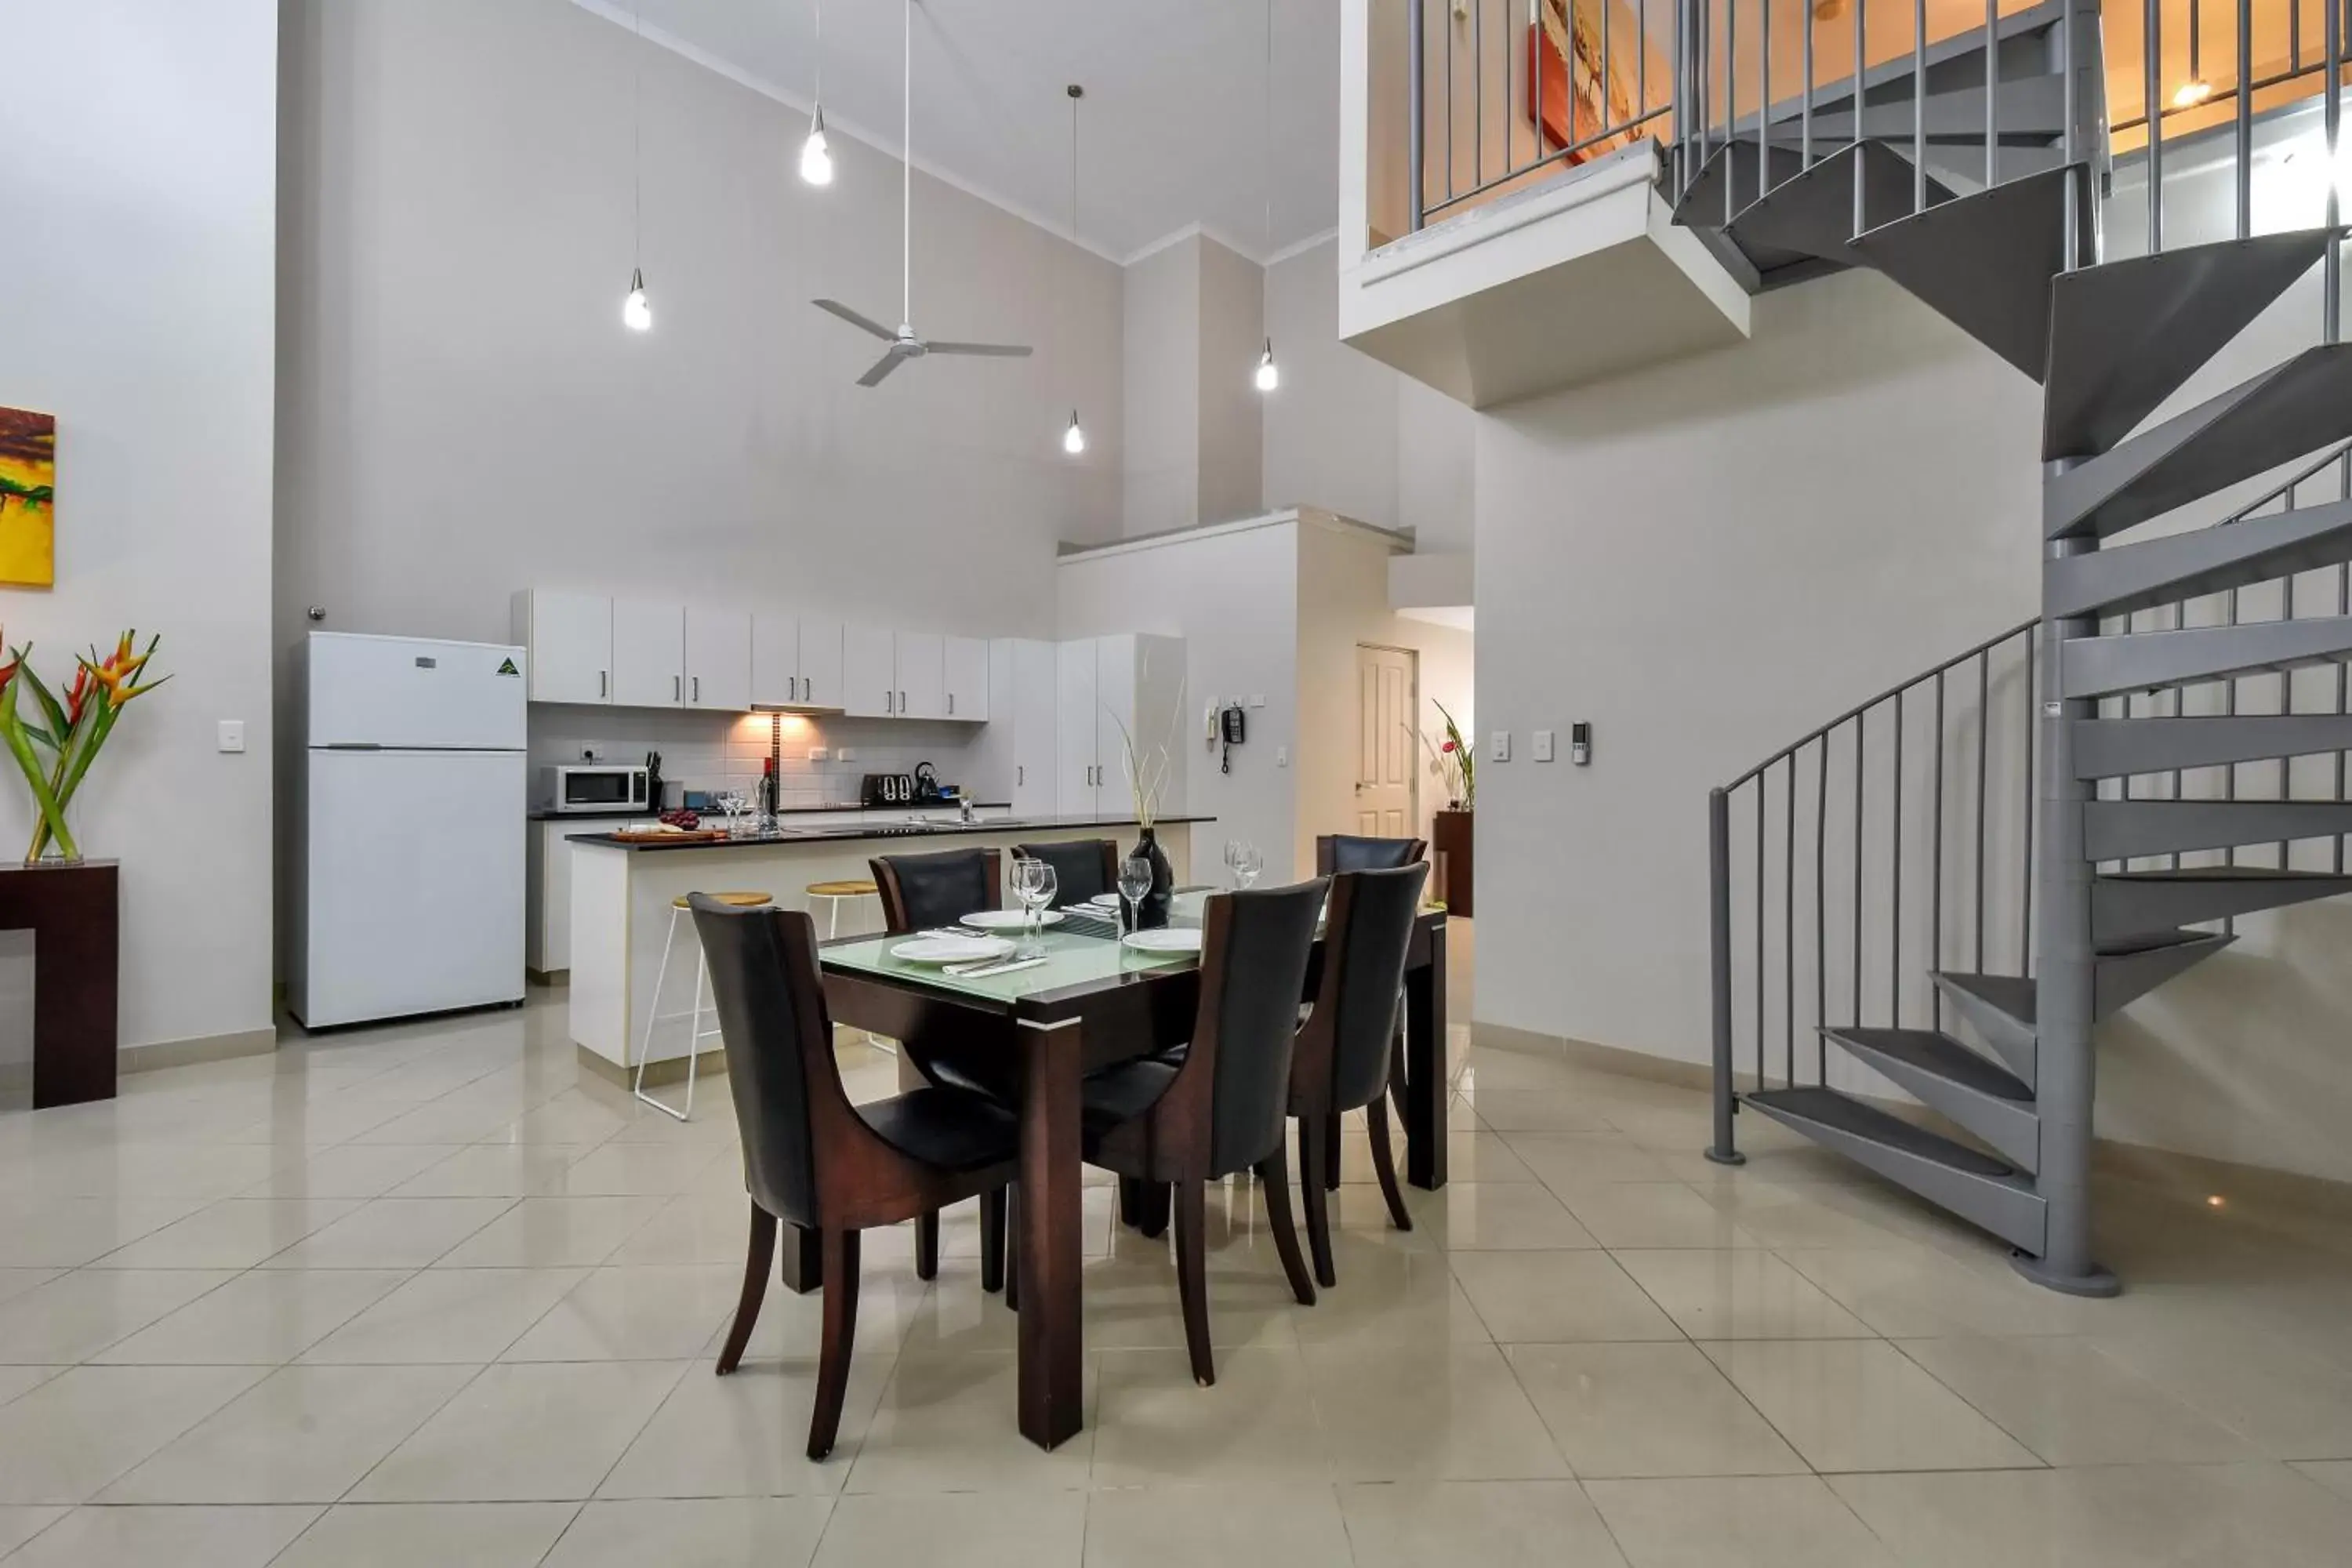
(549,813)
(897,833)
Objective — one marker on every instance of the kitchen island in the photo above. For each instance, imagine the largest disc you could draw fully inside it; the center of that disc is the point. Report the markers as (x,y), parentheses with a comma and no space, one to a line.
(622,892)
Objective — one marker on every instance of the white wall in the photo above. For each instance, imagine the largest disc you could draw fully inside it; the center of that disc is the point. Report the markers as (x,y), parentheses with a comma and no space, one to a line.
(1232,596)
(1233,410)
(141,174)
(1161,304)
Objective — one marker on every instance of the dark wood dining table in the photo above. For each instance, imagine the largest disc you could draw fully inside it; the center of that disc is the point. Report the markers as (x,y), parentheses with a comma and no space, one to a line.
(1092,1003)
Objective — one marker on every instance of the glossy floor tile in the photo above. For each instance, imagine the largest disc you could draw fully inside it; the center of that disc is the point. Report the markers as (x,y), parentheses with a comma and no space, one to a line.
(434,1294)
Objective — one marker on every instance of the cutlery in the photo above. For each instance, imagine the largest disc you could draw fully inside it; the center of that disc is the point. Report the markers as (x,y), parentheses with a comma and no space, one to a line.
(968,972)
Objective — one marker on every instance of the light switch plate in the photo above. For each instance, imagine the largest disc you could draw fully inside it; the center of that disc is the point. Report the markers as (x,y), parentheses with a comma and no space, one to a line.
(1541,740)
(819,754)
(1499,750)
(848,753)
(1257,699)
(232,734)
(1282,756)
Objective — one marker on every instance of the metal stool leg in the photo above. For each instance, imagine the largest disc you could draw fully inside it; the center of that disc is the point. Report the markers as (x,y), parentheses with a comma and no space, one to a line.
(653,1014)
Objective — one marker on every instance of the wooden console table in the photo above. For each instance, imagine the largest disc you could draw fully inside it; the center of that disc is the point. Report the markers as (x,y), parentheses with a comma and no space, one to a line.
(75,914)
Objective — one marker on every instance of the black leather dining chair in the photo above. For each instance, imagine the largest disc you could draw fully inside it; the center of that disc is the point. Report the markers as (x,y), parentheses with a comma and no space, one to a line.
(1337,852)
(810,1157)
(1082,868)
(1220,1109)
(1346,1050)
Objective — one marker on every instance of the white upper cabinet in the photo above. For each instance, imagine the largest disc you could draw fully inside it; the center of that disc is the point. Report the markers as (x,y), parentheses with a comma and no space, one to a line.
(718,660)
(922,675)
(569,638)
(1109,688)
(648,654)
(821,665)
(776,661)
(967,679)
(869,673)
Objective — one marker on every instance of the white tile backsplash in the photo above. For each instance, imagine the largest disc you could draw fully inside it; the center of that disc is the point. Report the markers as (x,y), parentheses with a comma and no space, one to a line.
(727,751)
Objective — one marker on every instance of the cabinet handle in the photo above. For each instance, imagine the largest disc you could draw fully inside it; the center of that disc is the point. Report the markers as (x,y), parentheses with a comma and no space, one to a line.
(1020,776)
(698,689)
(950,701)
(673,688)
(902,702)
(889,702)
(600,684)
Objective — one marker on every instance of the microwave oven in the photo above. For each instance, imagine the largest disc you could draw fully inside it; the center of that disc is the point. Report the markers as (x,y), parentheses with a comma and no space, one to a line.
(596,786)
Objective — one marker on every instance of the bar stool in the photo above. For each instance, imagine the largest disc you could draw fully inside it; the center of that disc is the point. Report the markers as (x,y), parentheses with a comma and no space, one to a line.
(696,1033)
(836,894)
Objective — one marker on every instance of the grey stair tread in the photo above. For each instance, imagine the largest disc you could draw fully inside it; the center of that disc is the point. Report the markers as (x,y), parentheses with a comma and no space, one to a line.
(2152,904)
(1814,213)
(2136,829)
(1845,1114)
(2145,661)
(2204,560)
(1934,1052)
(2292,408)
(1702,206)
(1985,262)
(2028,106)
(2121,748)
(2130,970)
(2010,994)
(2126,335)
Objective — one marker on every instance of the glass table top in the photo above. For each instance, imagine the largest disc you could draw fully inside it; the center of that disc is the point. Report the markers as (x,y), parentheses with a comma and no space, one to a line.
(1071,960)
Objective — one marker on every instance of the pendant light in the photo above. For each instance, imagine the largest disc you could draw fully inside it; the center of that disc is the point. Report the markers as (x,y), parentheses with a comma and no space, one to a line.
(1268,375)
(816,158)
(636,311)
(1074,439)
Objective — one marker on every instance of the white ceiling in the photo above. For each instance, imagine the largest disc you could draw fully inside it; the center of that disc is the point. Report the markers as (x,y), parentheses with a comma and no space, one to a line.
(1171,132)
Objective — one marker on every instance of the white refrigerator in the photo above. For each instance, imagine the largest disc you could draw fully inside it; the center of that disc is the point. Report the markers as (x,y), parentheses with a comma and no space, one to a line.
(407,894)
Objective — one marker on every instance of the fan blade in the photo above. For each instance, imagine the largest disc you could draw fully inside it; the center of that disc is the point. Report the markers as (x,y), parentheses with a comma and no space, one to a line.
(836,308)
(995,350)
(883,368)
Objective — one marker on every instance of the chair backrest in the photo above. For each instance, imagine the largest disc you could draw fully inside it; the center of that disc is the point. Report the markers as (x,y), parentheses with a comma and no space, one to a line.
(919,892)
(1082,868)
(1338,852)
(779,1044)
(1364,943)
(1254,950)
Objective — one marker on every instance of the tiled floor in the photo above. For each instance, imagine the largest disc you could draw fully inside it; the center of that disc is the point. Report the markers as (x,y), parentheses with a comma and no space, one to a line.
(428,1295)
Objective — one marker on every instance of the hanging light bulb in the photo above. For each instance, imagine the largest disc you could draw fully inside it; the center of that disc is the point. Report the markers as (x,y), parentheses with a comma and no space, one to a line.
(816,159)
(1268,377)
(636,311)
(1074,440)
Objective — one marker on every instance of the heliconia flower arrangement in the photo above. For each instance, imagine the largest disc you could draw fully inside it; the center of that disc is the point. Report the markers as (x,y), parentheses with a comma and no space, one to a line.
(1453,761)
(70,732)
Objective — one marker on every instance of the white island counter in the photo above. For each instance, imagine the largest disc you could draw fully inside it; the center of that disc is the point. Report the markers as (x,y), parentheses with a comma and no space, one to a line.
(622,895)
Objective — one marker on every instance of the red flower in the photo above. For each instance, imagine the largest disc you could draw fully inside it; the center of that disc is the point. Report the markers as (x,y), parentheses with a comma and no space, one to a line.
(1447,747)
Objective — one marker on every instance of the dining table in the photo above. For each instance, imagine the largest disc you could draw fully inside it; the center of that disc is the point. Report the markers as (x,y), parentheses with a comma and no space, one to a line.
(1093,1001)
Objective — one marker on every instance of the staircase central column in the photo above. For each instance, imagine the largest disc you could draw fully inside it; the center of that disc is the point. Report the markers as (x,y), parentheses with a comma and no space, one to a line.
(2066,976)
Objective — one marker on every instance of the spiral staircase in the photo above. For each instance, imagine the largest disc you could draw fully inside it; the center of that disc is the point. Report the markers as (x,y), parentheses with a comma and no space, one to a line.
(1998,234)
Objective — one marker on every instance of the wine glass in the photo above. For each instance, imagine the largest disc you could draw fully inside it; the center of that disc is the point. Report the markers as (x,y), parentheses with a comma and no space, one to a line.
(1032,884)
(1134,884)
(1233,867)
(1248,862)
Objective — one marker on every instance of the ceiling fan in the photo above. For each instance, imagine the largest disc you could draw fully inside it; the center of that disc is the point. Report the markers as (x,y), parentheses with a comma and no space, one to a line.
(904,344)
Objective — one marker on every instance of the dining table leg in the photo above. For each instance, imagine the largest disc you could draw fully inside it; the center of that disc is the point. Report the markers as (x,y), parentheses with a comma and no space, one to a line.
(1424,1078)
(1052,1341)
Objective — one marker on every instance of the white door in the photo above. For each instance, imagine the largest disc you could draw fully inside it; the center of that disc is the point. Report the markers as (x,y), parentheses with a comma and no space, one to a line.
(922,675)
(414,896)
(648,654)
(775,660)
(821,651)
(718,660)
(570,637)
(1387,743)
(415,692)
(1035,718)
(869,673)
(1074,688)
(967,679)
(1114,714)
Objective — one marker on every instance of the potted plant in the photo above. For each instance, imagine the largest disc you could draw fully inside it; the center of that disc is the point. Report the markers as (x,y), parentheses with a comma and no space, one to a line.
(1452,761)
(55,751)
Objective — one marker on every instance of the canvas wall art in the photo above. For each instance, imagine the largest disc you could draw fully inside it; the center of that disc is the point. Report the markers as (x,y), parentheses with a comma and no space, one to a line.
(28,477)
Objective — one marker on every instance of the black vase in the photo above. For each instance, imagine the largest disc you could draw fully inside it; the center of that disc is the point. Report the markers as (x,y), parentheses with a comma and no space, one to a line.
(1152,913)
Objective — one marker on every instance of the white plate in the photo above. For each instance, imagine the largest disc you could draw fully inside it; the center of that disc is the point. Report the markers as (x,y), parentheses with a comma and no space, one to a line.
(1104,901)
(1010,920)
(1166,939)
(951,948)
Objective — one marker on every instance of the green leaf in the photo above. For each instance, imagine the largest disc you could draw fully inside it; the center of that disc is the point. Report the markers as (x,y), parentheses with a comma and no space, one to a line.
(50,706)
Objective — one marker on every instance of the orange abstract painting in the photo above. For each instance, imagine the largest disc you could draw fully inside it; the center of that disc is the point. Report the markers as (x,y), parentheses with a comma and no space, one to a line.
(28,477)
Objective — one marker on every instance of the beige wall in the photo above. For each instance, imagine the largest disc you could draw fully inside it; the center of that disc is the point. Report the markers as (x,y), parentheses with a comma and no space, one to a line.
(1233,410)
(1161,305)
